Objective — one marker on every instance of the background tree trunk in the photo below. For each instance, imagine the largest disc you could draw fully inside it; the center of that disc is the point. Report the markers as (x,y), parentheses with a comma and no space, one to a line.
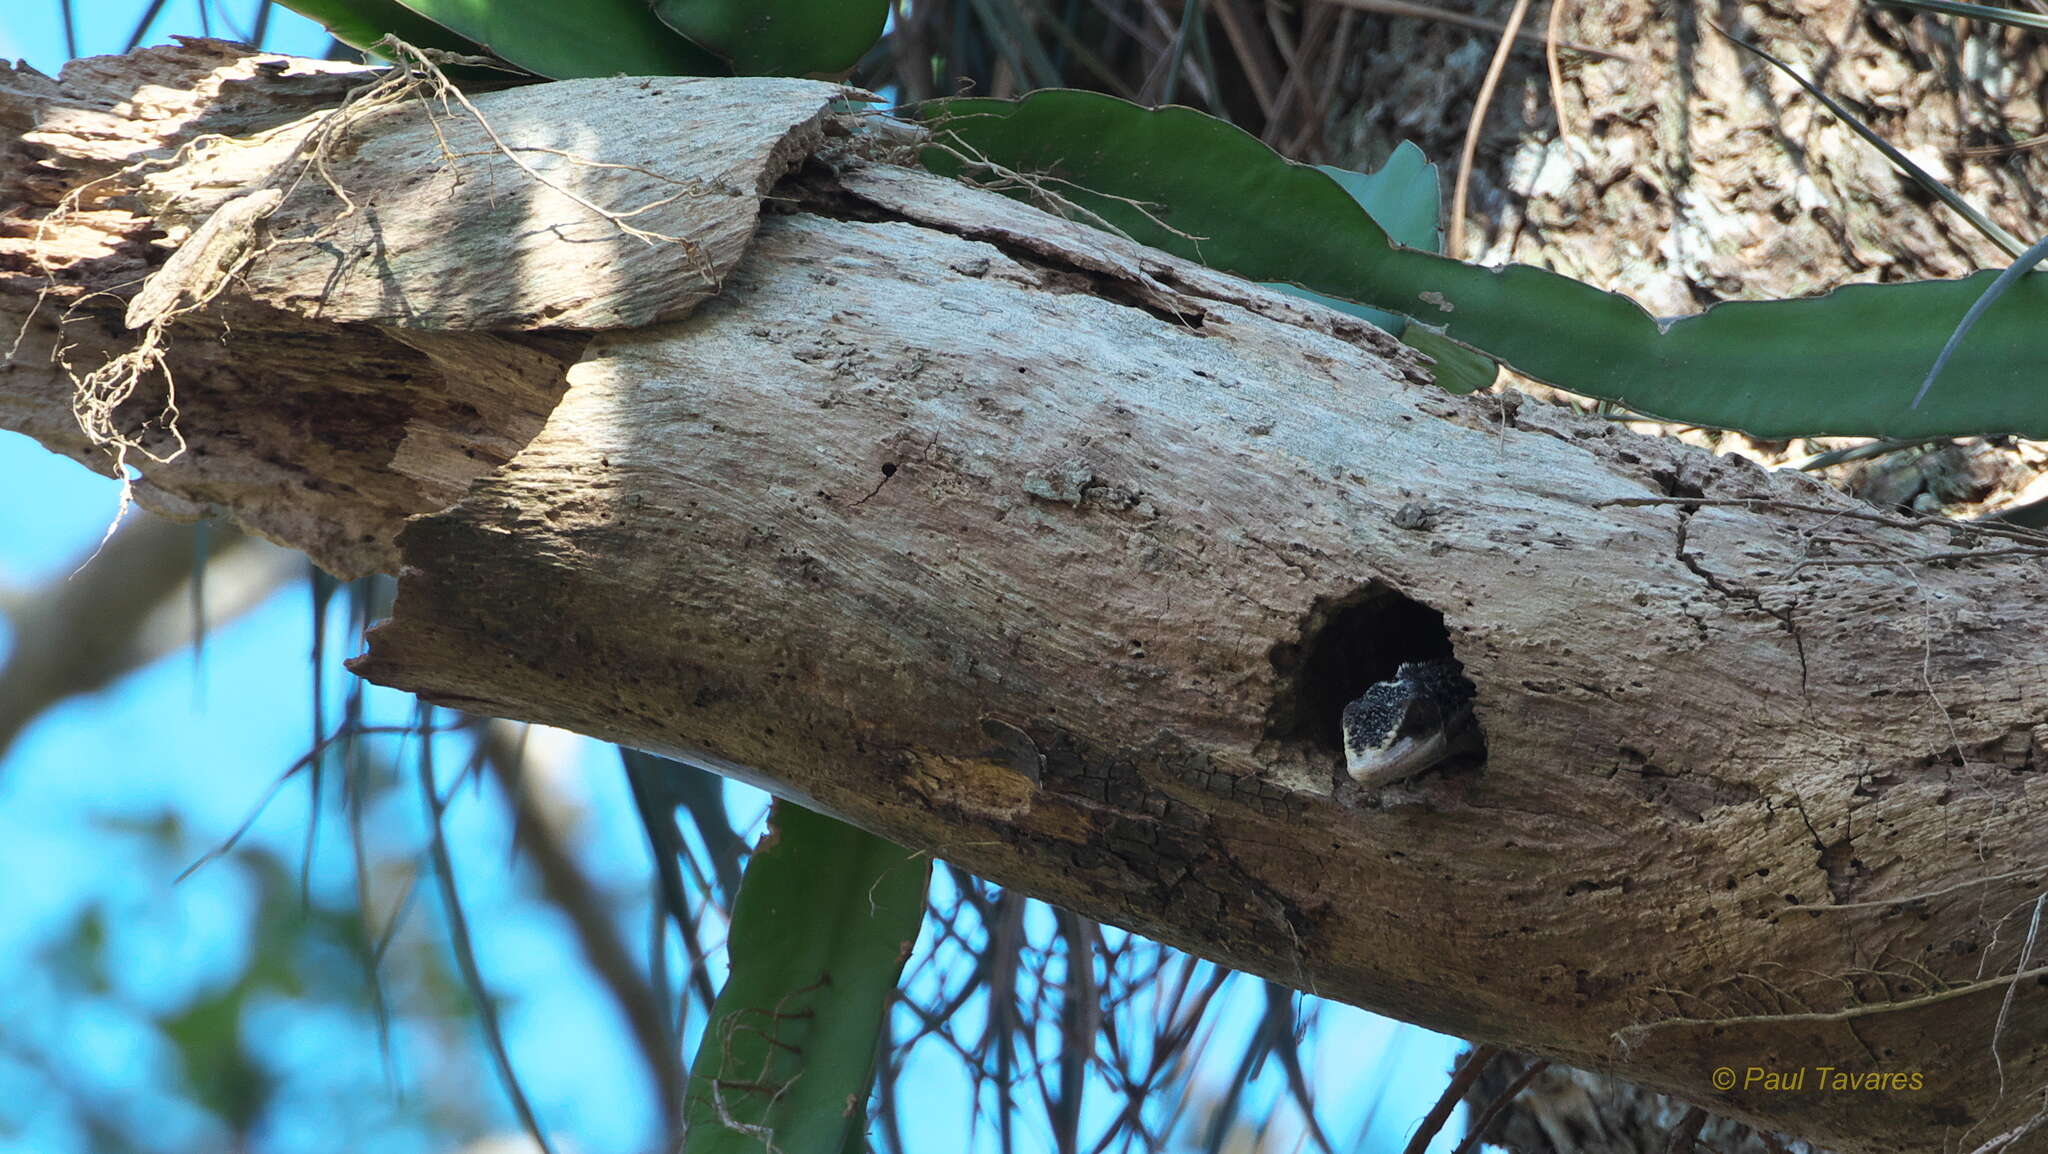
(1693,172)
(1058,557)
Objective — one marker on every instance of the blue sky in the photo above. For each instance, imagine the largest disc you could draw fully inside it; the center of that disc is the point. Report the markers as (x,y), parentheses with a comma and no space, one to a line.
(203,740)
(197,742)
(34,29)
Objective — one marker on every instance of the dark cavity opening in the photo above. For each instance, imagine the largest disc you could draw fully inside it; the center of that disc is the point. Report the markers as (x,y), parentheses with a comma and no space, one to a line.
(1346,644)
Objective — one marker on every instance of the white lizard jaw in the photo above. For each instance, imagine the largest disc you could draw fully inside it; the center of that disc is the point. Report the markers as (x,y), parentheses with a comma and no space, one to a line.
(1403,757)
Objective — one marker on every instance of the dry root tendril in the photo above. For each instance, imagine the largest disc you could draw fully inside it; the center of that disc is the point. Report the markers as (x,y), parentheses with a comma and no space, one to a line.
(218,251)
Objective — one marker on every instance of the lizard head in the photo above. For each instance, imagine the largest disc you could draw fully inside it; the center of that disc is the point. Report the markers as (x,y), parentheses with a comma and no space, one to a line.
(1404,725)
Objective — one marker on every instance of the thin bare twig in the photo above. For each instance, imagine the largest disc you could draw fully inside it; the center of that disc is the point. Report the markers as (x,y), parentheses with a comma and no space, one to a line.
(1684,1135)
(1454,1093)
(2005,1006)
(2032,537)
(1476,23)
(1626,1034)
(228,843)
(459,940)
(1472,1135)
(1550,65)
(566,886)
(1253,53)
(1455,246)
(149,16)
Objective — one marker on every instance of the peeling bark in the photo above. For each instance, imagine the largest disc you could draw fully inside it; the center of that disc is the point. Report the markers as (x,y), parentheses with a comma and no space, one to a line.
(1059,557)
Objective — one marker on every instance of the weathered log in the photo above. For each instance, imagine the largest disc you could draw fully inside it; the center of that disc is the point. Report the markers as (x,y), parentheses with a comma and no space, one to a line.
(1059,557)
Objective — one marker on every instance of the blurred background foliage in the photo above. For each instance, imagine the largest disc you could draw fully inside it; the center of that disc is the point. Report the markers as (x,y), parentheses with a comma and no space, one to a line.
(219,931)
